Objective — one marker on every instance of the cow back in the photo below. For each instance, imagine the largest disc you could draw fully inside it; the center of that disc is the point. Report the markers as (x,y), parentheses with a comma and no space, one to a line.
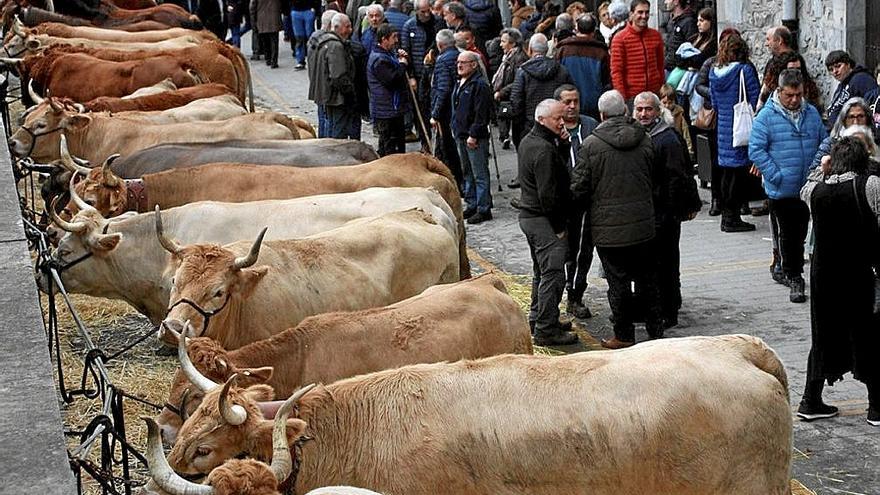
(159,101)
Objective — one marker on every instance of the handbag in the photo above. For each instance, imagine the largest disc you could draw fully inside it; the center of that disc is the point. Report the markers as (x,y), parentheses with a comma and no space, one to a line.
(705,118)
(505,110)
(743,115)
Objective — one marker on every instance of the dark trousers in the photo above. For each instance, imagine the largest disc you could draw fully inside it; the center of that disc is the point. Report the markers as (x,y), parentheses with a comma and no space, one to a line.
(668,263)
(269,47)
(548,253)
(342,121)
(792,217)
(391,135)
(580,255)
(446,150)
(734,187)
(624,266)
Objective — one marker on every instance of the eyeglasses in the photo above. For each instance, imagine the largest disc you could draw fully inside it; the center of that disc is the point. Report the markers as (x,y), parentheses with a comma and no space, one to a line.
(856,116)
(465,62)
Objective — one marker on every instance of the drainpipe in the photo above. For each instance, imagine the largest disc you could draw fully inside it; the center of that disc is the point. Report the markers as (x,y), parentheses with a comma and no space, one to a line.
(790,20)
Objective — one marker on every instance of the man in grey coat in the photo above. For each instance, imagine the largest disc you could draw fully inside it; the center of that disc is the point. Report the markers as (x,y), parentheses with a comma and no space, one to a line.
(266,18)
(613,181)
(331,79)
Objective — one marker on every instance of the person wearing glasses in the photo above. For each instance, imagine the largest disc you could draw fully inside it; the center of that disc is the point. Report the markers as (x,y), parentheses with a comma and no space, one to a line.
(785,137)
(854,80)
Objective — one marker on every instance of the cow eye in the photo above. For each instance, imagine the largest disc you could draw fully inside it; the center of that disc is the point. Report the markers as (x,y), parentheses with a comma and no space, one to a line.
(219,293)
(203,451)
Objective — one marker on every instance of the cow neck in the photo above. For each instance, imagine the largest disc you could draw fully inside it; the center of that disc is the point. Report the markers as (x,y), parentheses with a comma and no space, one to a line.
(284,352)
(136,195)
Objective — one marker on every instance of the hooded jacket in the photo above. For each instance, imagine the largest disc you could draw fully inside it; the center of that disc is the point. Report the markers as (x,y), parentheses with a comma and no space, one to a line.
(614,180)
(637,61)
(484,17)
(783,150)
(858,83)
(388,84)
(536,80)
(332,71)
(676,195)
(724,87)
(588,63)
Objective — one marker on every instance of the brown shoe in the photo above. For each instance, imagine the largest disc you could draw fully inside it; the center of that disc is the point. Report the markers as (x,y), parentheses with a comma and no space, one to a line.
(613,343)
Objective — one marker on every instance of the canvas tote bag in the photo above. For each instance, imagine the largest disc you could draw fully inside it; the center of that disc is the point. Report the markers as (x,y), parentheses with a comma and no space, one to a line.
(742,115)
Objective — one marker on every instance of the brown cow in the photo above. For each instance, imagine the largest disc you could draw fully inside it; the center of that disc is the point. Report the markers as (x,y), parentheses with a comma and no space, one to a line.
(212,61)
(160,101)
(235,182)
(687,416)
(466,320)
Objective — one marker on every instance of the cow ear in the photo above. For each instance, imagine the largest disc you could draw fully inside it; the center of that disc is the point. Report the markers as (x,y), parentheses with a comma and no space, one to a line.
(105,243)
(255,375)
(259,393)
(76,121)
(221,365)
(248,279)
(33,44)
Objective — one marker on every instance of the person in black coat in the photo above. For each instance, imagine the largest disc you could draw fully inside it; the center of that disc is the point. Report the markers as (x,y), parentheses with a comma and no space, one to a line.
(675,200)
(471,110)
(211,13)
(543,215)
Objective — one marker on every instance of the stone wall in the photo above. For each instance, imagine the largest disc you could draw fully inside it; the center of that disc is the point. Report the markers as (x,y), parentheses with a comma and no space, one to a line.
(824,26)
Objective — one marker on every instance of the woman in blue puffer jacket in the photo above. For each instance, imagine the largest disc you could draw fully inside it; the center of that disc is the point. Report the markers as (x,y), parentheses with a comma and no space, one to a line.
(732,60)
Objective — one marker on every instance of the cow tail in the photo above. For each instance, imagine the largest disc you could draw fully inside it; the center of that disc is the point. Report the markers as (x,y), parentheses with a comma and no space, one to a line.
(243,73)
(286,121)
(196,77)
(764,358)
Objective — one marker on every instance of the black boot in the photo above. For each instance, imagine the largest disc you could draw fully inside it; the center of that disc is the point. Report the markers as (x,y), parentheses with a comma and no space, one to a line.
(811,406)
(731,222)
(874,403)
(714,208)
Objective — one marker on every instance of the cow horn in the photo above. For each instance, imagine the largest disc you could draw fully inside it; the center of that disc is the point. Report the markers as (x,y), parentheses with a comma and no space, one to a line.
(233,414)
(281,462)
(251,258)
(192,374)
(18,26)
(69,162)
(161,471)
(80,107)
(184,397)
(34,96)
(78,201)
(75,227)
(166,242)
(110,179)
(10,60)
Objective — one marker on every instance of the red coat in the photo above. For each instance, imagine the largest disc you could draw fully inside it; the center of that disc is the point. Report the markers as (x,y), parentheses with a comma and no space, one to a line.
(637,61)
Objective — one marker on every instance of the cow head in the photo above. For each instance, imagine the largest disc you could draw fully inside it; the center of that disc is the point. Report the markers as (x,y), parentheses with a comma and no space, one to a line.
(85,236)
(102,189)
(229,422)
(40,134)
(60,176)
(204,365)
(233,477)
(22,40)
(208,278)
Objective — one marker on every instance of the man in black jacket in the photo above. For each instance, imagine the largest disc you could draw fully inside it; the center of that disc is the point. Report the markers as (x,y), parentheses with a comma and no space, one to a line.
(471,109)
(613,180)
(542,217)
(676,200)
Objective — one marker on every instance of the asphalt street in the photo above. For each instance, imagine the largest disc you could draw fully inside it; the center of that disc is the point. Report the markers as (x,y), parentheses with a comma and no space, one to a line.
(726,288)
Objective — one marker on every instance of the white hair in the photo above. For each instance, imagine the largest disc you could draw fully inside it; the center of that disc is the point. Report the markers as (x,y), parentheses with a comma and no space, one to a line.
(538,44)
(564,21)
(375,7)
(339,20)
(611,104)
(327,19)
(618,10)
(445,37)
(649,96)
(543,109)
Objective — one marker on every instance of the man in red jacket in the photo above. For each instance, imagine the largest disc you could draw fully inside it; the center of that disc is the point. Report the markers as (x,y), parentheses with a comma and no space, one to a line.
(637,55)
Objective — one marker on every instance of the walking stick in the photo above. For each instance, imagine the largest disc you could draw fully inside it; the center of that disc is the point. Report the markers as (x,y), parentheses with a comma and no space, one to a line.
(495,158)
(425,134)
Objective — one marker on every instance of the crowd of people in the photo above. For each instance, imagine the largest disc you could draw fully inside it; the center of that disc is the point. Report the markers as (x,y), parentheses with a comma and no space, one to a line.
(609,117)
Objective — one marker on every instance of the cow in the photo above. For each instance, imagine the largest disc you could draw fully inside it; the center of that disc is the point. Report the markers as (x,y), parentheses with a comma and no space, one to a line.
(470,319)
(107,14)
(162,86)
(121,258)
(237,476)
(213,61)
(33,16)
(22,41)
(684,416)
(95,137)
(236,182)
(158,101)
(102,34)
(366,263)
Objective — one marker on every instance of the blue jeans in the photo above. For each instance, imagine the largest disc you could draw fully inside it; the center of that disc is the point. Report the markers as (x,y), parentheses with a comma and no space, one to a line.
(323,122)
(235,36)
(343,122)
(475,169)
(303,26)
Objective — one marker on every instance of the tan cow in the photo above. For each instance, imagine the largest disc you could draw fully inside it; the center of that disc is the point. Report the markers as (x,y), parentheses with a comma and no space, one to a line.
(33,43)
(235,182)
(366,263)
(160,87)
(470,319)
(121,258)
(95,137)
(105,34)
(690,416)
